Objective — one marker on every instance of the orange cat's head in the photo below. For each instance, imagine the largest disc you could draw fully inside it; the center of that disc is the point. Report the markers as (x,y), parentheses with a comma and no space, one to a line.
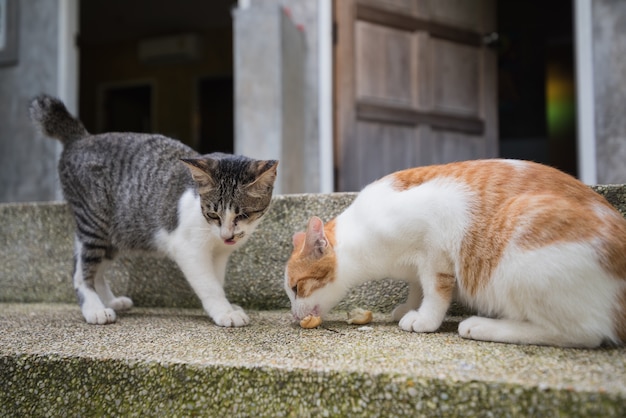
(310,280)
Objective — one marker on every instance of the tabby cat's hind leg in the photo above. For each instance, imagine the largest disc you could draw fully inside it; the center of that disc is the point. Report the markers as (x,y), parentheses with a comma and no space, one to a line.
(117,303)
(88,261)
(523,332)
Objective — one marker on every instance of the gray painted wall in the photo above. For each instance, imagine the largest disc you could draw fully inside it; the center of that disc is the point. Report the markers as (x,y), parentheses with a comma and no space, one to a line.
(609,56)
(28,160)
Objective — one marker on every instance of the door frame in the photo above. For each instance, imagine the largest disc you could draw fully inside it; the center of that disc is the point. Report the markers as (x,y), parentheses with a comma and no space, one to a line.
(68,58)
(585,115)
(420,113)
(583,50)
(325,18)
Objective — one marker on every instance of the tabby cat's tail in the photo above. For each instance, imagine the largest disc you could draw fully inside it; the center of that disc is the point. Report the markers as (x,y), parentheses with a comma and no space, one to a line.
(52,118)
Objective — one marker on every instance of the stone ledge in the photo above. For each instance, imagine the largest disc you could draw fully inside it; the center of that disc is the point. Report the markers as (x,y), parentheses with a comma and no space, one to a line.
(166,362)
(36,258)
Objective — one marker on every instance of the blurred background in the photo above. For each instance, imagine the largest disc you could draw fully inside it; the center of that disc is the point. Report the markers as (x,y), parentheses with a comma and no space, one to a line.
(342,92)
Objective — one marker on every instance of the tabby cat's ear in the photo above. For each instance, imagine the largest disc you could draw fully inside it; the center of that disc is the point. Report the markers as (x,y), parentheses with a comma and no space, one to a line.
(315,241)
(264,183)
(201,169)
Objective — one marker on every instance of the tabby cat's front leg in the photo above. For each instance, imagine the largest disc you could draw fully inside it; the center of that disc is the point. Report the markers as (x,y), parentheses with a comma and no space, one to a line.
(205,273)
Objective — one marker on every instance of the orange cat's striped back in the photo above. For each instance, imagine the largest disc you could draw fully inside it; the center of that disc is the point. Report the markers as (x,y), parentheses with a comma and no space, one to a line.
(550,205)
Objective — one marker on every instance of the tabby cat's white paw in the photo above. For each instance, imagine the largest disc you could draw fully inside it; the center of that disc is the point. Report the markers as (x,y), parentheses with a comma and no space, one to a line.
(99,316)
(417,322)
(234,318)
(121,303)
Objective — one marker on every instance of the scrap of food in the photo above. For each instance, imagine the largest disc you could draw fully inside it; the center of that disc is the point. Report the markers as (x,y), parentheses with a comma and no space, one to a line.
(359,316)
(311,321)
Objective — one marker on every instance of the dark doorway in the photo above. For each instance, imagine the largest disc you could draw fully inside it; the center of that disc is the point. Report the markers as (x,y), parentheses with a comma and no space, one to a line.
(169,46)
(127,109)
(215,108)
(536,82)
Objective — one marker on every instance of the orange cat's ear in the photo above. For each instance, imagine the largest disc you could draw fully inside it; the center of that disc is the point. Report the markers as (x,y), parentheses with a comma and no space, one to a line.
(298,238)
(315,241)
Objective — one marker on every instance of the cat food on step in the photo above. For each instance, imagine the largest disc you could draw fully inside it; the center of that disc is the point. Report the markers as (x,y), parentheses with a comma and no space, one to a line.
(359,316)
(311,321)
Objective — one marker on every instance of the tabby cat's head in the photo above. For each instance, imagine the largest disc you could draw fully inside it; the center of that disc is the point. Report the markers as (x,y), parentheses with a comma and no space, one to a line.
(235,192)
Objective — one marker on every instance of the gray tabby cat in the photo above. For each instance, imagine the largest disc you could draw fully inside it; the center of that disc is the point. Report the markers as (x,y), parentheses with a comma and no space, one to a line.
(130,191)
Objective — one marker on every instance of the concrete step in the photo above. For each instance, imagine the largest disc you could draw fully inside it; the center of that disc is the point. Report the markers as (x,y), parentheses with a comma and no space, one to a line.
(36,253)
(176,362)
(173,361)
(36,250)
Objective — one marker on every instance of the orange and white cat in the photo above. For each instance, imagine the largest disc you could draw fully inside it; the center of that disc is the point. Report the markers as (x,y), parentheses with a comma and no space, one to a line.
(537,253)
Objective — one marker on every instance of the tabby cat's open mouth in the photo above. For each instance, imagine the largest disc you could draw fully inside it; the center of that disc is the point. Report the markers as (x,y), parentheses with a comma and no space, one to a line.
(230,241)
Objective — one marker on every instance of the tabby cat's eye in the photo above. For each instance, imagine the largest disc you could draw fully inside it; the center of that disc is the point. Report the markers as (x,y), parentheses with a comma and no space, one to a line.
(213,215)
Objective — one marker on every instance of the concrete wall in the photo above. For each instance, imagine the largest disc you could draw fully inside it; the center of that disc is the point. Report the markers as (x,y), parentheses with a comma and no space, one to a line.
(27,160)
(609,56)
(265,81)
(293,82)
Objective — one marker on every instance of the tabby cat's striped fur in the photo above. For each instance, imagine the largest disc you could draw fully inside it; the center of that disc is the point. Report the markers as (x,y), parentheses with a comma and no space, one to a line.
(146,192)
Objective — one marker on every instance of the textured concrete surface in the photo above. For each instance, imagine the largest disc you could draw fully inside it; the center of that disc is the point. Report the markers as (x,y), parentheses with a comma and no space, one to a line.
(36,258)
(175,362)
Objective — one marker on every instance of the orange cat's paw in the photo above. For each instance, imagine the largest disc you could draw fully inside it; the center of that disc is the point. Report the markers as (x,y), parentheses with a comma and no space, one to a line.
(417,322)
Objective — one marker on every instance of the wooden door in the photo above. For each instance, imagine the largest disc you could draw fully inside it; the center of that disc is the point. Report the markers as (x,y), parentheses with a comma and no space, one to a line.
(414,85)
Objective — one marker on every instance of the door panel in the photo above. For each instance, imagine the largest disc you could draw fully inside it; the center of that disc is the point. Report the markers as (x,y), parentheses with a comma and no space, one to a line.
(453,146)
(382,59)
(456,77)
(413,86)
(458,13)
(386,146)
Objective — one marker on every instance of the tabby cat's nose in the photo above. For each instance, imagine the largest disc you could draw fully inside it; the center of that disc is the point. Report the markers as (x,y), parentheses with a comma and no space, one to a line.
(227,233)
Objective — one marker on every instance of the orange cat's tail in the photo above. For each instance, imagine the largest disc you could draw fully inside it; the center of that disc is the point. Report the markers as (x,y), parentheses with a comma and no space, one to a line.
(50,115)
